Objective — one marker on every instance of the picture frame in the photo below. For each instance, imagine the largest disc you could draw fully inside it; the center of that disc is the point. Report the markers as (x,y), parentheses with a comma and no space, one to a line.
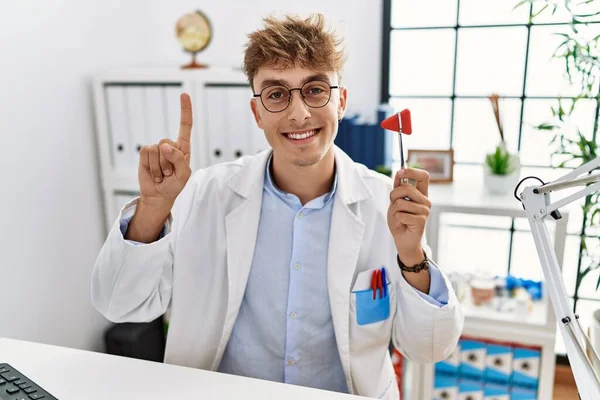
(439,163)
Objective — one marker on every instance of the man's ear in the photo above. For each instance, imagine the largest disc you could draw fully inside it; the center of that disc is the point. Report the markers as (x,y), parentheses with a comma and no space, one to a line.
(342,103)
(254,108)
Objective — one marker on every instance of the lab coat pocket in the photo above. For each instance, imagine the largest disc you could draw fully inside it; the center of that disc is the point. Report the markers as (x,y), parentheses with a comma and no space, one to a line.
(369,310)
(370,319)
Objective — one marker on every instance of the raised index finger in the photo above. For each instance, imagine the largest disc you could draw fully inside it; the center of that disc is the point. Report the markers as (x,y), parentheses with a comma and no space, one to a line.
(185,124)
(419,175)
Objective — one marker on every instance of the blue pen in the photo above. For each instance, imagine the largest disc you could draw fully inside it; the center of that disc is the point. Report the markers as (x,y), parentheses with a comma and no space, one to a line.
(383,282)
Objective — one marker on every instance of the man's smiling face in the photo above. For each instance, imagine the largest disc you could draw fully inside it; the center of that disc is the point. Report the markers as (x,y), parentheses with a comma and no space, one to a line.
(300,134)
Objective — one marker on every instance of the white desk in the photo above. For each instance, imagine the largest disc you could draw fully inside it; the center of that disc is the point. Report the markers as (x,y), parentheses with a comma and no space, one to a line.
(76,374)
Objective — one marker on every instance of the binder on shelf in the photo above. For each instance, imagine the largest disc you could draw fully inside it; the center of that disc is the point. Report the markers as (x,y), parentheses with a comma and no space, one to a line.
(217,124)
(237,117)
(155,110)
(375,147)
(136,118)
(355,139)
(344,139)
(258,140)
(120,137)
(173,110)
(367,137)
(367,143)
(384,139)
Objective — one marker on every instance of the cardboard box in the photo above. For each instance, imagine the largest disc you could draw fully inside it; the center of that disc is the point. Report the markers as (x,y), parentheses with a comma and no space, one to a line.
(470,390)
(526,368)
(499,364)
(517,393)
(496,392)
(472,359)
(451,365)
(445,388)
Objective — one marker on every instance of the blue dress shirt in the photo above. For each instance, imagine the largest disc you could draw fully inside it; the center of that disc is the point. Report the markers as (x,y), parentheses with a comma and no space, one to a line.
(284,330)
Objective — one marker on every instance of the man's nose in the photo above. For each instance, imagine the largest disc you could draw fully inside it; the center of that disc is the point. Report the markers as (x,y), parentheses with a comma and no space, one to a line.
(298,110)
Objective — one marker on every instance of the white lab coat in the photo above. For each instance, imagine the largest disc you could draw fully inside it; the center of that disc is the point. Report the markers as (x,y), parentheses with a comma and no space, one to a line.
(200,269)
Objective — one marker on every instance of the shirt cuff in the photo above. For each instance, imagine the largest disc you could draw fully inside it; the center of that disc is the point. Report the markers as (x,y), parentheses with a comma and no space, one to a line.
(438,292)
(124,224)
(126,215)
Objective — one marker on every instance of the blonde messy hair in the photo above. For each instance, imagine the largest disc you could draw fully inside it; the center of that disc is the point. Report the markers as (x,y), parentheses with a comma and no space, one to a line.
(292,42)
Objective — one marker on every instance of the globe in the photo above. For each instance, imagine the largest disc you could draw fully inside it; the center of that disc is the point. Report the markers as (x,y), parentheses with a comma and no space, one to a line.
(194,33)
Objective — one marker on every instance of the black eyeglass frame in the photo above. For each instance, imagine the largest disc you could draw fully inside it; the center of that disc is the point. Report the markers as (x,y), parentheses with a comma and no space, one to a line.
(290,95)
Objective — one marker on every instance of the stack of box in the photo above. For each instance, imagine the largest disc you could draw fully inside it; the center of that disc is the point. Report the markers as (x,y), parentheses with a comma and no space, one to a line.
(446,377)
(486,370)
(525,372)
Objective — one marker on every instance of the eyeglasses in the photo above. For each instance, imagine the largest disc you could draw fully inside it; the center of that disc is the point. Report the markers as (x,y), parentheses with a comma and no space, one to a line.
(315,94)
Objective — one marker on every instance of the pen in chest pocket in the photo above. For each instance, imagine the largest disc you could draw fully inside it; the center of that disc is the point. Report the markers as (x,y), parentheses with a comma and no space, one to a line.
(378,283)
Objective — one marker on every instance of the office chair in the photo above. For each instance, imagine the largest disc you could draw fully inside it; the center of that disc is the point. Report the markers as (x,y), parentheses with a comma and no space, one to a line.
(144,340)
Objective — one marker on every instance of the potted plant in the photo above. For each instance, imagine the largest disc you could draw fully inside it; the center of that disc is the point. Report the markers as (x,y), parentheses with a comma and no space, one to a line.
(384,169)
(501,168)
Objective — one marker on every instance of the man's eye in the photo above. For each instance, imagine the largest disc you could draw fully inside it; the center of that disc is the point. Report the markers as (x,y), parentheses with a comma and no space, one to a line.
(276,95)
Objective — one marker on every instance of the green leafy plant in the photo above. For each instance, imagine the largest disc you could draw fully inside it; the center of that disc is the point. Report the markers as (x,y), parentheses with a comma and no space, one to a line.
(578,52)
(383,169)
(500,162)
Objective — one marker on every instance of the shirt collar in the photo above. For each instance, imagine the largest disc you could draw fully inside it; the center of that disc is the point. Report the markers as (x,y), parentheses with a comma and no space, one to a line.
(291,199)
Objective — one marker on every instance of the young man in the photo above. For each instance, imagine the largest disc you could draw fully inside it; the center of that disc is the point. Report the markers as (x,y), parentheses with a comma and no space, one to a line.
(268,262)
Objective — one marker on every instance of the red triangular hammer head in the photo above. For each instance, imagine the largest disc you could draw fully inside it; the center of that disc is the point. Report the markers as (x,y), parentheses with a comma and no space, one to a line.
(399,122)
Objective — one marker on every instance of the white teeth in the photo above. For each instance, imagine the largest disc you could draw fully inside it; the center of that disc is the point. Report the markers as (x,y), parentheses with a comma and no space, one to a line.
(298,136)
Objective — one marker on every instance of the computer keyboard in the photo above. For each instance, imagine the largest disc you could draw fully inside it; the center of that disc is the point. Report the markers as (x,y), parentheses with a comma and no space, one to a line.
(16,386)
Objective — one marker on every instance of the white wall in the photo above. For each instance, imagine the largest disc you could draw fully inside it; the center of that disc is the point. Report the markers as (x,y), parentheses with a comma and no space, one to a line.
(50,194)
(359,21)
(50,200)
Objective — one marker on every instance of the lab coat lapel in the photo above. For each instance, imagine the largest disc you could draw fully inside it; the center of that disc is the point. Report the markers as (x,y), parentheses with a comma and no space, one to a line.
(345,240)
(241,226)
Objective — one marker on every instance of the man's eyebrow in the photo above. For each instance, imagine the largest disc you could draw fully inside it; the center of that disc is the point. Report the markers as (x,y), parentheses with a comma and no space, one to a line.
(316,77)
(274,82)
(283,82)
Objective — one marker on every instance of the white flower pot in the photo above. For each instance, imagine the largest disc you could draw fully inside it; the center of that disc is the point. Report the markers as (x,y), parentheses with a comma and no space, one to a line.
(502,184)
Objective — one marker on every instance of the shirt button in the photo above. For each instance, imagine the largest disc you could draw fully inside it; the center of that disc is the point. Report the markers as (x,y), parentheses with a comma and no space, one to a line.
(290,362)
(293,314)
(300,215)
(296,266)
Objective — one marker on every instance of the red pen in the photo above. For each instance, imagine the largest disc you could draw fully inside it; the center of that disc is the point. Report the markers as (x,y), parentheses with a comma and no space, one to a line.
(374,283)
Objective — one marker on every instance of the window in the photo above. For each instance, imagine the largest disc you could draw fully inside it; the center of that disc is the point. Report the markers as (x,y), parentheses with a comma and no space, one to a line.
(442,59)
